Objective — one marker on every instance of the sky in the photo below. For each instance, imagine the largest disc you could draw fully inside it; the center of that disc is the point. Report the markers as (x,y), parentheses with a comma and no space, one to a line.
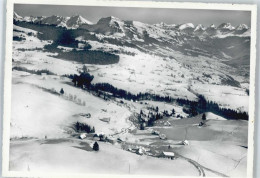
(146,15)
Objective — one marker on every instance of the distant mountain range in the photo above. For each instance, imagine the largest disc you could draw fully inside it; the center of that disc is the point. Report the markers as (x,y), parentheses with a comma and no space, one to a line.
(110,25)
(229,44)
(67,22)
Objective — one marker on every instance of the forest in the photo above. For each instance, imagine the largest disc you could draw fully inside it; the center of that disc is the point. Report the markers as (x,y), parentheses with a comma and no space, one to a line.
(192,108)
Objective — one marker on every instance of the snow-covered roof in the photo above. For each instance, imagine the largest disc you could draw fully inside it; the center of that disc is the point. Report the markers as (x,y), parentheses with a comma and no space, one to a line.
(168,153)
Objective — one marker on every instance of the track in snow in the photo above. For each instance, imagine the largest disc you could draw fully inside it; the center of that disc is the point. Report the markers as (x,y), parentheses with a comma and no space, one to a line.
(201,168)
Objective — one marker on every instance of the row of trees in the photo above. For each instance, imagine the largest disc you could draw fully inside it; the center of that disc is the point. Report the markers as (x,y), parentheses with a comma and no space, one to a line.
(191,107)
(152,117)
(82,80)
(120,93)
(82,127)
(37,72)
(202,105)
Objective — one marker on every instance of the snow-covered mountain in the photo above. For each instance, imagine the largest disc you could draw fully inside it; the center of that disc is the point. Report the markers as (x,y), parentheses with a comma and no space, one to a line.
(76,21)
(226,26)
(200,28)
(242,27)
(54,20)
(224,42)
(33,19)
(59,21)
(111,25)
(17,17)
(166,26)
(108,26)
(186,26)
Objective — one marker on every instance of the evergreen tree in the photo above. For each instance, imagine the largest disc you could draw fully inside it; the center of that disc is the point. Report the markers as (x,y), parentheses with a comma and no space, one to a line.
(204,117)
(142,126)
(61,91)
(95,146)
(85,69)
(173,111)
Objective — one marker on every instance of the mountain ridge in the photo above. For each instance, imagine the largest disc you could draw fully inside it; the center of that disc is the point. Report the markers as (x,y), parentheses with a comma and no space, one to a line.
(224,42)
(56,20)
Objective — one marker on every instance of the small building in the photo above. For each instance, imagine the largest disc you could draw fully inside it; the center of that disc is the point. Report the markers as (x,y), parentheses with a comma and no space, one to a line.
(169,155)
(162,136)
(185,142)
(105,119)
(111,139)
(44,76)
(96,137)
(202,124)
(167,123)
(155,132)
(102,137)
(88,115)
(140,151)
(119,140)
(83,135)
(81,45)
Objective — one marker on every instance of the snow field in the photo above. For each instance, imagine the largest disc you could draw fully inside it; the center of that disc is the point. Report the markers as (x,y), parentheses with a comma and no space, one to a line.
(70,156)
(29,115)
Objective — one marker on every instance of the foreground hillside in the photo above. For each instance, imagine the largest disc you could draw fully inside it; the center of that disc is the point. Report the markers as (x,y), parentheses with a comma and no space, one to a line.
(42,121)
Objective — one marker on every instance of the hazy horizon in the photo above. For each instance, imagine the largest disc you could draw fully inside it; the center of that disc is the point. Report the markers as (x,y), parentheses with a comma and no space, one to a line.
(146,15)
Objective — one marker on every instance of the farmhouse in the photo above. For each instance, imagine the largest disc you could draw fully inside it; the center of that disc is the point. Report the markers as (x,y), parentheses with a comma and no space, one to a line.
(155,132)
(83,135)
(167,123)
(169,155)
(96,137)
(111,140)
(105,119)
(162,136)
(185,142)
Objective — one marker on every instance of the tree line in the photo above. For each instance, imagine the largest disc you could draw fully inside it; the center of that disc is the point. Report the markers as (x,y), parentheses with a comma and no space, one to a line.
(82,127)
(191,107)
(37,72)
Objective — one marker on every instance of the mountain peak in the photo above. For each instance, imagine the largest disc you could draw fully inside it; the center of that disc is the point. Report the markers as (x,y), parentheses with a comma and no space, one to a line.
(110,18)
(212,26)
(226,26)
(17,17)
(161,24)
(186,25)
(110,21)
(77,20)
(242,27)
(199,27)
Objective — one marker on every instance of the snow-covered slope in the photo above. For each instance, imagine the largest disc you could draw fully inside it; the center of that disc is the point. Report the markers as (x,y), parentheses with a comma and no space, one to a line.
(55,119)
(212,116)
(173,74)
